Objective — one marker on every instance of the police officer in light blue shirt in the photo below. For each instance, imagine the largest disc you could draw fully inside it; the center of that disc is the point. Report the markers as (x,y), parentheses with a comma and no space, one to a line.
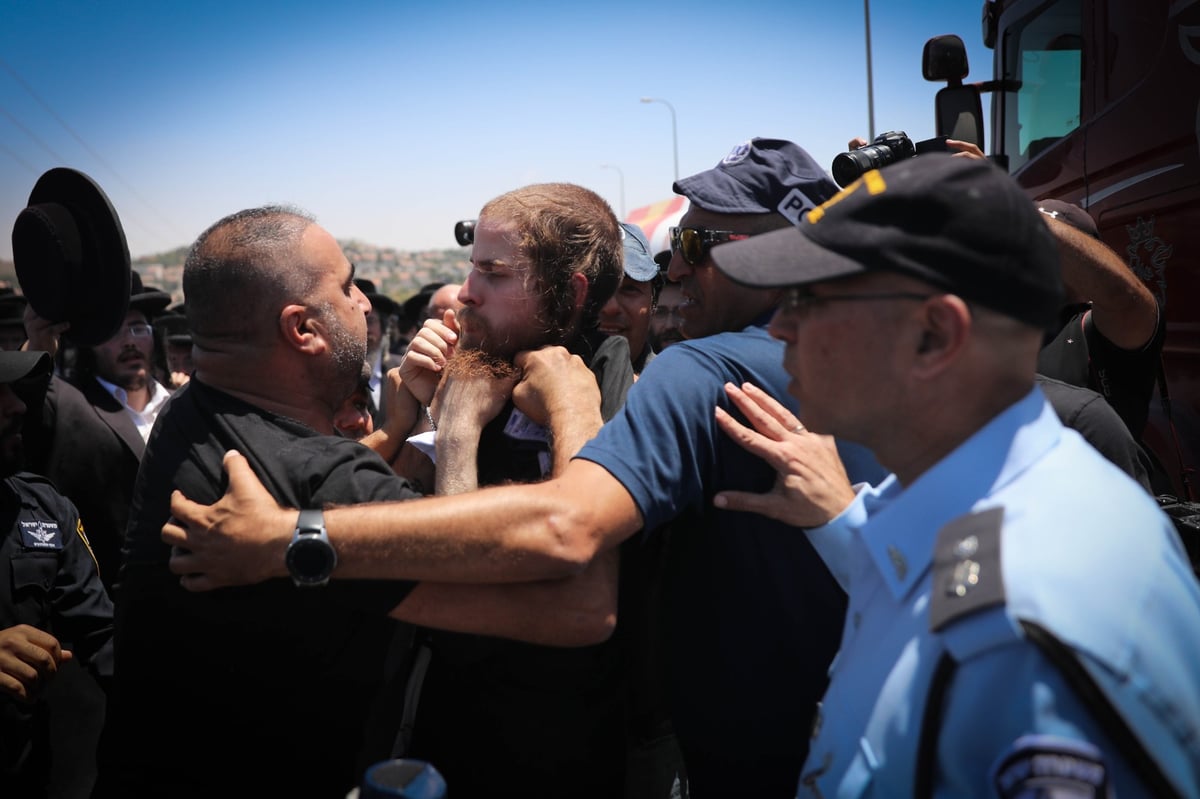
(1022,619)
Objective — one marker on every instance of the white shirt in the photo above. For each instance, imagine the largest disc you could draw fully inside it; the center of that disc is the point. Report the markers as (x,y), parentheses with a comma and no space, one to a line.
(143,419)
(376,383)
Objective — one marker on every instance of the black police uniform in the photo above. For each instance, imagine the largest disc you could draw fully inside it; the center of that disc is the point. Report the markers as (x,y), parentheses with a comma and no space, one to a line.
(48,580)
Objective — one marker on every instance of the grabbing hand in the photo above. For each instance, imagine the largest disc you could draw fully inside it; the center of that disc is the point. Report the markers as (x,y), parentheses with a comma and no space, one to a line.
(42,334)
(554,382)
(811,486)
(239,540)
(427,355)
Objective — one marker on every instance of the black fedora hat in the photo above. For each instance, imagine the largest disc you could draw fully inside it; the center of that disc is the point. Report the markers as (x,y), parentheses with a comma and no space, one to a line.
(381,303)
(414,307)
(173,326)
(149,300)
(71,257)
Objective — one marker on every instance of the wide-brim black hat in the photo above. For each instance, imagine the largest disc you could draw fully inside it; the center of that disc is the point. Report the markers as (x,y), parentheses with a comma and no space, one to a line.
(71,257)
(147,299)
(173,326)
(382,304)
(413,308)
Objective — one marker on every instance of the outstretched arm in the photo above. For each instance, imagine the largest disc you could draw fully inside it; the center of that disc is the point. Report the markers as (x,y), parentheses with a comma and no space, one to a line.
(1123,309)
(501,534)
(573,611)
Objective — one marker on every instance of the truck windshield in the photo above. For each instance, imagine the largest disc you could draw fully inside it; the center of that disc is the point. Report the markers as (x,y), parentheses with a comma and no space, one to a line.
(1041,55)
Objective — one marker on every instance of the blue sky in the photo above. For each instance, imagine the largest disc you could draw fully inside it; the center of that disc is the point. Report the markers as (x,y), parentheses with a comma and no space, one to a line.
(391,120)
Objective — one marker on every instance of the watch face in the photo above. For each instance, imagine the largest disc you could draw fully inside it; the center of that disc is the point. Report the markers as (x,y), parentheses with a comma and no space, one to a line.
(310,559)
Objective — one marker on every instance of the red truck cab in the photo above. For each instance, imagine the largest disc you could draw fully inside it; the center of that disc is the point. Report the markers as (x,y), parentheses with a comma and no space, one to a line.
(1097,102)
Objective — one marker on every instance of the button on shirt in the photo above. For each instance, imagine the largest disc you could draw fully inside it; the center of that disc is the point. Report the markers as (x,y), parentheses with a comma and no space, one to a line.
(143,419)
(1085,553)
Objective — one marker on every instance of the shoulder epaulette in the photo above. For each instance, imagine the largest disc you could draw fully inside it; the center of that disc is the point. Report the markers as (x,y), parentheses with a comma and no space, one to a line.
(967,574)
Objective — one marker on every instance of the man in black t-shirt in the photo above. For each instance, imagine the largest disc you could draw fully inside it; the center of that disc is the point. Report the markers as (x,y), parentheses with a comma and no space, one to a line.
(267,690)
(1112,330)
(1112,333)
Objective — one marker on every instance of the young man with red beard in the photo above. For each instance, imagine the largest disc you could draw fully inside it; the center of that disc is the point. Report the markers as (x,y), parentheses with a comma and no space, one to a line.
(545,259)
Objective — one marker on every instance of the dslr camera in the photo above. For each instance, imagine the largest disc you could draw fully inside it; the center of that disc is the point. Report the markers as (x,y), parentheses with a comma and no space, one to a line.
(887,148)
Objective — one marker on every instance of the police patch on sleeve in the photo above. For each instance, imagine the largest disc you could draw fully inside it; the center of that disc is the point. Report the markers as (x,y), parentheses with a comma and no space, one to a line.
(1049,767)
(41,534)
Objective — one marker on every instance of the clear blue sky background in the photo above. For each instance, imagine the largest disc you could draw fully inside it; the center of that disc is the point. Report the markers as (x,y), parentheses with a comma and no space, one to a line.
(391,120)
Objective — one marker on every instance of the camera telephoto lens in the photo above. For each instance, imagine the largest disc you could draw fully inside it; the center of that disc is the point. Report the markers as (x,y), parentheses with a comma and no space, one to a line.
(885,149)
(850,166)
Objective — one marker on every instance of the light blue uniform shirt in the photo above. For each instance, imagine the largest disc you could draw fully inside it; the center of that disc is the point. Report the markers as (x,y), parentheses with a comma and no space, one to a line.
(1083,551)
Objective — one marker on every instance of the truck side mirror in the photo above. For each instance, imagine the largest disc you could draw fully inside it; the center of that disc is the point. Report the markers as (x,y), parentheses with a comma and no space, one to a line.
(957,108)
(959,113)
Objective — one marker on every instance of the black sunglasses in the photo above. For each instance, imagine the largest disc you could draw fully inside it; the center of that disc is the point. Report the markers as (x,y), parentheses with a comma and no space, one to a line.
(692,243)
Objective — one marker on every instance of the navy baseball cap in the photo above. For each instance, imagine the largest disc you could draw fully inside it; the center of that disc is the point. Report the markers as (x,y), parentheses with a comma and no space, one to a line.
(761,176)
(639,264)
(960,224)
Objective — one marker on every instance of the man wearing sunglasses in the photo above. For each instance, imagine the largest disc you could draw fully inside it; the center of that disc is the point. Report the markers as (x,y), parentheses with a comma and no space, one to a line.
(753,617)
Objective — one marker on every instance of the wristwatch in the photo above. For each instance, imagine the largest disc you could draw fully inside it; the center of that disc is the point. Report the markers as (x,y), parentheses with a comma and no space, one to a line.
(311,557)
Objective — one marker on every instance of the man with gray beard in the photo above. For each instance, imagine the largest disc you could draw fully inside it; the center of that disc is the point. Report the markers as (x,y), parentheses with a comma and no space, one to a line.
(279,680)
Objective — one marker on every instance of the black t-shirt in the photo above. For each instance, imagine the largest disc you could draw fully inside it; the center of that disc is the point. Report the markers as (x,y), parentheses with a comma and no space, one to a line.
(1081,356)
(498,715)
(1087,413)
(261,690)
(48,580)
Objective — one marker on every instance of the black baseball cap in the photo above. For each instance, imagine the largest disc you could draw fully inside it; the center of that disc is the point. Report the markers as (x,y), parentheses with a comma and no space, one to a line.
(1070,213)
(960,224)
(19,364)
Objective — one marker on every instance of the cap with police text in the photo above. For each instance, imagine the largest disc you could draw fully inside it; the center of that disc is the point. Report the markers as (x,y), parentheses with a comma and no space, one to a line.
(639,264)
(761,176)
(959,224)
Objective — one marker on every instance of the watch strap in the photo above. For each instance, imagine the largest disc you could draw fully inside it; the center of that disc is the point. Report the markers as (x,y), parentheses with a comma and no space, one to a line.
(310,521)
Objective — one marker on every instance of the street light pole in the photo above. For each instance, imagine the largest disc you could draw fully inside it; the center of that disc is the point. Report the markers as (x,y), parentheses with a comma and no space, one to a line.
(621,176)
(870,81)
(674,132)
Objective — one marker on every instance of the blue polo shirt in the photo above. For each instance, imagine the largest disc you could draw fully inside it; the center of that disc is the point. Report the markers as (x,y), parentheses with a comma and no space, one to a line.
(753,615)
